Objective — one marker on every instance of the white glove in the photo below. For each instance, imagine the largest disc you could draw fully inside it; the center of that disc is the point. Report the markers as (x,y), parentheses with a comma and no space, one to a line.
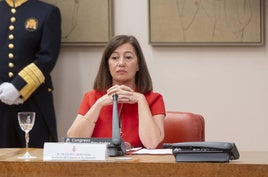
(9,94)
(18,101)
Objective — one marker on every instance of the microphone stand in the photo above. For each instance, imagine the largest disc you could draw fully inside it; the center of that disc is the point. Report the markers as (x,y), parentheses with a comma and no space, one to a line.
(117,145)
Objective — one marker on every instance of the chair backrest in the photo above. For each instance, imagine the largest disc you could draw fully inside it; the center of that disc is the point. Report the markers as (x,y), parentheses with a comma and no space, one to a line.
(183,127)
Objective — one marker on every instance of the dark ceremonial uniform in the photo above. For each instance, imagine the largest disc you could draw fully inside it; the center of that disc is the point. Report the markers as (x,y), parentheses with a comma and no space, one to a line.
(30,36)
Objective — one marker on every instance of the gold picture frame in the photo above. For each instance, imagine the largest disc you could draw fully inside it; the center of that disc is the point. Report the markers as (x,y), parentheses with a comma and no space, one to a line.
(85,22)
(206,22)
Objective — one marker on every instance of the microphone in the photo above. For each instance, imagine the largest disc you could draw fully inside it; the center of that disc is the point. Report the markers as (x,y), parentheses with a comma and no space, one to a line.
(116,140)
(117,145)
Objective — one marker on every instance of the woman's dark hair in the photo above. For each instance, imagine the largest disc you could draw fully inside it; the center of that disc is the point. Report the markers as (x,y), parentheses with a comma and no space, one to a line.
(103,80)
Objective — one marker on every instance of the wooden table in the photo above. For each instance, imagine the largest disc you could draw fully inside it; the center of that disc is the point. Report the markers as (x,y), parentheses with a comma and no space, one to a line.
(250,164)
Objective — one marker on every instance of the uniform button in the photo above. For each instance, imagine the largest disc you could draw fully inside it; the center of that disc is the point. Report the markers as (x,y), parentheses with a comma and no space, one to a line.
(11,27)
(12,19)
(10,46)
(11,36)
(13,10)
(10,74)
(10,55)
(49,90)
(11,65)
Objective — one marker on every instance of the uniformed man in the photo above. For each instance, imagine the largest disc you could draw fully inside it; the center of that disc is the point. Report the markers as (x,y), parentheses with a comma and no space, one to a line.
(30,36)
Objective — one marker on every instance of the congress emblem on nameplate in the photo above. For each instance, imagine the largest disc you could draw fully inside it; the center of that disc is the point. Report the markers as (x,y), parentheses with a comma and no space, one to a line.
(74,149)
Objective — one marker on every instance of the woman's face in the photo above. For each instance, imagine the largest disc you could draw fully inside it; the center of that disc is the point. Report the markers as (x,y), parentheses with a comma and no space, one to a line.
(123,65)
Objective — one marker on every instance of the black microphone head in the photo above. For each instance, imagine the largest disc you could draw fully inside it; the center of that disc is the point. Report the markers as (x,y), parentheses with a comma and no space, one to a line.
(115,96)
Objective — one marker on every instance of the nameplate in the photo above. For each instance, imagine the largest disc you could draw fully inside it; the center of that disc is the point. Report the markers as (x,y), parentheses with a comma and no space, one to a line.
(75,151)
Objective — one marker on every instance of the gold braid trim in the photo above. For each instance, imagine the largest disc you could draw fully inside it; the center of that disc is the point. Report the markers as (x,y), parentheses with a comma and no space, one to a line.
(33,76)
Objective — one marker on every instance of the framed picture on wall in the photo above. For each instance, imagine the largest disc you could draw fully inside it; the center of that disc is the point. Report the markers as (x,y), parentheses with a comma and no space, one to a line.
(85,22)
(206,22)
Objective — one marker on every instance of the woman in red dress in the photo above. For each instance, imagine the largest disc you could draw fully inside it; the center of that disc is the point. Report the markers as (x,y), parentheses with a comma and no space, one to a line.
(122,71)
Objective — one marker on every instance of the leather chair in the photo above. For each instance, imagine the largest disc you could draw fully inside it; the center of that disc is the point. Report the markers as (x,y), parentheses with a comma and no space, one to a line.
(183,127)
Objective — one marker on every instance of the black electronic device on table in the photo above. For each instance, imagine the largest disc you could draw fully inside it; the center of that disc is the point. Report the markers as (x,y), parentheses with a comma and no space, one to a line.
(115,145)
(203,151)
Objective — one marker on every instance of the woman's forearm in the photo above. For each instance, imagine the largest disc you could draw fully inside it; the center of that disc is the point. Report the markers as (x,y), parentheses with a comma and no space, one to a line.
(83,126)
(151,129)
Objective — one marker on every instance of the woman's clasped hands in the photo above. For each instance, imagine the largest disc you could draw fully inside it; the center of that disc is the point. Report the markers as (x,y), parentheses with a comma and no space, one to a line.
(125,94)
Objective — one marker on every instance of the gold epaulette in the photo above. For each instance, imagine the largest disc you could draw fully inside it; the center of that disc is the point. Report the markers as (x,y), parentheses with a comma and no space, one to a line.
(34,77)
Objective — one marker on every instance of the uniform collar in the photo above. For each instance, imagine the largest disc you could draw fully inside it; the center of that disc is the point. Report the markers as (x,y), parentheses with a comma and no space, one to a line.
(17,2)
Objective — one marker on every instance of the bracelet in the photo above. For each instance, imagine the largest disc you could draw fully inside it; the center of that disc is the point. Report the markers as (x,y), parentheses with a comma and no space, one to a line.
(90,121)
